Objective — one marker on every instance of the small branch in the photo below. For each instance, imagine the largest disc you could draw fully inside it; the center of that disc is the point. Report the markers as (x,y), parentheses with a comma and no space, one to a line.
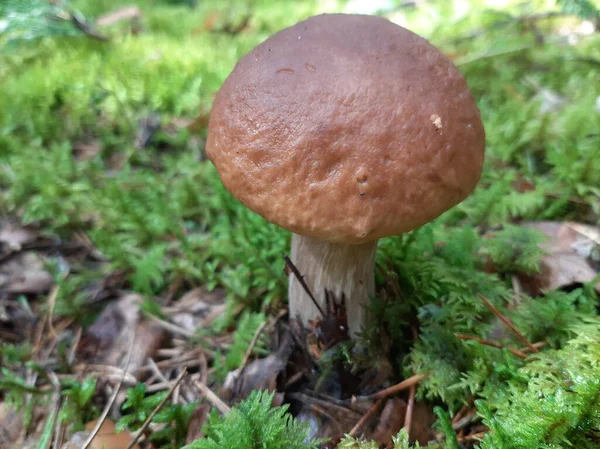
(171,327)
(300,278)
(112,399)
(213,398)
(473,436)
(410,409)
(156,410)
(507,322)
(538,345)
(51,304)
(366,418)
(252,345)
(490,343)
(404,385)
(87,28)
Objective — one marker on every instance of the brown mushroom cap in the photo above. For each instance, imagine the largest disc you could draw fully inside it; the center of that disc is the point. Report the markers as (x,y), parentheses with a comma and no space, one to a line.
(346,128)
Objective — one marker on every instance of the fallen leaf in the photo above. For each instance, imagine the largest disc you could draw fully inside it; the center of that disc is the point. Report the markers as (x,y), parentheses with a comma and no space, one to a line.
(390,422)
(15,236)
(108,340)
(106,438)
(261,374)
(571,250)
(24,273)
(197,421)
(11,427)
(86,150)
(422,421)
(197,308)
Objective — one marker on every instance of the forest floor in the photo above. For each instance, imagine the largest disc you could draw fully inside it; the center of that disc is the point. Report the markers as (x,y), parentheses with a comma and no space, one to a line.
(142,306)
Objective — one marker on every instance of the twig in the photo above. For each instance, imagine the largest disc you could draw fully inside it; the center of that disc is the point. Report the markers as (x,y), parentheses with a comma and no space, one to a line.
(473,436)
(464,409)
(86,27)
(490,343)
(172,327)
(157,371)
(212,398)
(156,410)
(410,409)
(404,385)
(51,304)
(335,406)
(73,350)
(366,418)
(300,278)
(464,421)
(252,345)
(507,322)
(112,399)
(538,345)
(58,425)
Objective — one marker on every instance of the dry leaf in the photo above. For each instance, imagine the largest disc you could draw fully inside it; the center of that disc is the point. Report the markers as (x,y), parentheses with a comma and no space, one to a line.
(197,421)
(25,274)
(390,421)
(15,236)
(422,421)
(261,374)
(197,308)
(108,340)
(570,252)
(11,427)
(86,150)
(106,438)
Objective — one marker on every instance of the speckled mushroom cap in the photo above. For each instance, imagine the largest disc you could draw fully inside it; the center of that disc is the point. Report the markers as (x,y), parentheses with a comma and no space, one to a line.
(346,128)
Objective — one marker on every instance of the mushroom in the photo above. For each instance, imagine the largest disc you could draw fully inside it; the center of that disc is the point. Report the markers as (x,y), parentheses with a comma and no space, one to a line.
(345,129)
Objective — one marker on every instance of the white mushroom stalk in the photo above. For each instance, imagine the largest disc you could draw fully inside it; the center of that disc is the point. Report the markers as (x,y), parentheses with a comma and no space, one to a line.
(345,271)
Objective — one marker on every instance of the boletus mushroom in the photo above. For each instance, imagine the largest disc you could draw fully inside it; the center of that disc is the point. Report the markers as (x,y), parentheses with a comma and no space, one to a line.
(345,129)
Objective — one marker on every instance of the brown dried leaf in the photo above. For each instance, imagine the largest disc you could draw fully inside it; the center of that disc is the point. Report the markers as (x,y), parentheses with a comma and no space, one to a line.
(261,374)
(108,340)
(570,249)
(106,438)
(197,421)
(15,236)
(86,150)
(390,422)
(197,308)
(25,274)
(422,422)
(11,427)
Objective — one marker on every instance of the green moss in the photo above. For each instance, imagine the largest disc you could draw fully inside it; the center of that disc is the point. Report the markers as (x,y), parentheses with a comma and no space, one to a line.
(161,214)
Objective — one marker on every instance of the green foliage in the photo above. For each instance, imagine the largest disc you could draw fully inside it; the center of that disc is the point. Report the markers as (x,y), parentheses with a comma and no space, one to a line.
(243,335)
(582,8)
(255,424)
(445,425)
(557,402)
(175,417)
(77,408)
(14,354)
(400,441)
(20,395)
(160,213)
(516,249)
(26,20)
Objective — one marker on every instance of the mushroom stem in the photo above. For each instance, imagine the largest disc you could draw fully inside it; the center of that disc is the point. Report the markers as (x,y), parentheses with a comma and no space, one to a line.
(335,267)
